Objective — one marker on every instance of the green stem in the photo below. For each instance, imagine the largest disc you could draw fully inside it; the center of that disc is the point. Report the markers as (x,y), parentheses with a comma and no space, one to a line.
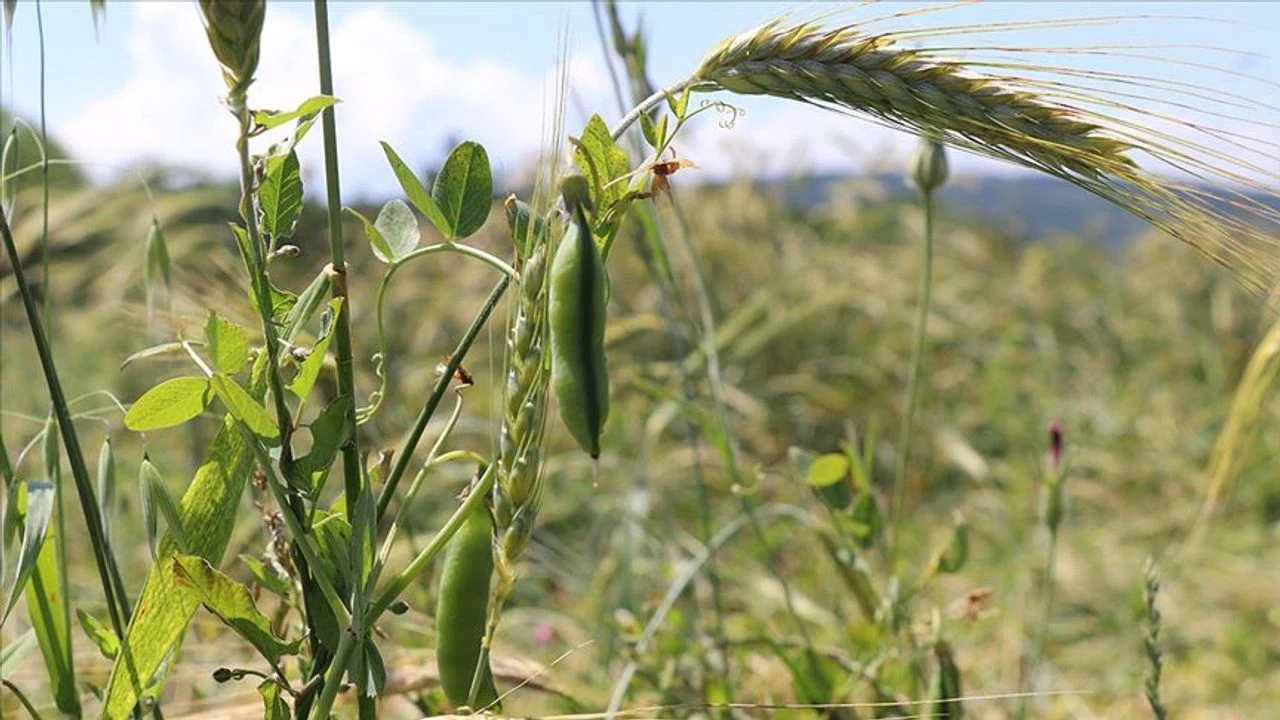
(365,414)
(405,454)
(1042,630)
(648,104)
(913,379)
(108,572)
(437,544)
(333,680)
(342,332)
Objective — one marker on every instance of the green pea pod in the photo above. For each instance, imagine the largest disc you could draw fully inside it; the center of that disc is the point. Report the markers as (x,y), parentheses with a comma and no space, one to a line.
(462,610)
(577,312)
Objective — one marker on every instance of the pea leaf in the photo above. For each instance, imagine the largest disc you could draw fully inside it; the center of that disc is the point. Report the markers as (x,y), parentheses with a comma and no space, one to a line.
(170,403)
(329,432)
(308,302)
(274,706)
(601,161)
(310,370)
(228,344)
(269,119)
(464,189)
(377,242)
(232,603)
(244,408)
(399,230)
(417,192)
(827,470)
(280,195)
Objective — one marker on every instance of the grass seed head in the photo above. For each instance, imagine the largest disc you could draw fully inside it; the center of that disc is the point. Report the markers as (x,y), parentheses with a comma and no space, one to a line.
(234,28)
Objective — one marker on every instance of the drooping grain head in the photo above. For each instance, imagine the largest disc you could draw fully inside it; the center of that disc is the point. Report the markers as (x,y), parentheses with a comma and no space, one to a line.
(846,68)
(234,29)
(1062,126)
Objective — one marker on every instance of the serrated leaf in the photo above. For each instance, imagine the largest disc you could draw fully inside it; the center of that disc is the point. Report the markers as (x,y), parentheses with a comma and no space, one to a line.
(228,344)
(399,229)
(602,161)
(310,368)
(377,243)
(99,634)
(232,603)
(170,403)
(269,119)
(244,408)
(417,192)
(35,527)
(464,189)
(280,195)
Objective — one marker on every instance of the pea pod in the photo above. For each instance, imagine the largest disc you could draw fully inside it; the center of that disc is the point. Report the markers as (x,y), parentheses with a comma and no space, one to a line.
(462,609)
(577,312)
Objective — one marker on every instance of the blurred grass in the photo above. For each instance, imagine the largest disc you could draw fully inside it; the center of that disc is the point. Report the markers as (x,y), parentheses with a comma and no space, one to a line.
(1136,353)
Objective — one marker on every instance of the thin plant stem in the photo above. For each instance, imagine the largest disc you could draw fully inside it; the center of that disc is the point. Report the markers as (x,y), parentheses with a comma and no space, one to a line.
(405,454)
(915,368)
(333,192)
(333,680)
(1042,629)
(118,610)
(423,560)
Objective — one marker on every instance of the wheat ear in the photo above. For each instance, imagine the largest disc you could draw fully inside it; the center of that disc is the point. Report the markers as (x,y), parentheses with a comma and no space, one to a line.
(1056,127)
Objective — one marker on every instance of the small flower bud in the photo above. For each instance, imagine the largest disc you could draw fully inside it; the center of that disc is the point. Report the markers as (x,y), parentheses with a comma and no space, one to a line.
(929,165)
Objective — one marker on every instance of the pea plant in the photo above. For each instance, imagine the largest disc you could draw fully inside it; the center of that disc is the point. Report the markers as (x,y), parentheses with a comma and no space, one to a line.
(332,569)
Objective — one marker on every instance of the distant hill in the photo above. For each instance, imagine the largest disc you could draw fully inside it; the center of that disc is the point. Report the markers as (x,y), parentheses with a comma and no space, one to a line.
(1032,207)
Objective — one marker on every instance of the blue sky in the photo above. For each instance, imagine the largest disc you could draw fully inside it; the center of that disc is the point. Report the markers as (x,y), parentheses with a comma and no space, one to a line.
(419,73)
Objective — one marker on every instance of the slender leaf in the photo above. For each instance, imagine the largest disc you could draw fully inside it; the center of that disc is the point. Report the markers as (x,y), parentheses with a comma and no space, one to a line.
(12,655)
(329,432)
(308,303)
(158,268)
(39,510)
(157,503)
(170,403)
(269,119)
(310,369)
(50,615)
(464,189)
(602,161)
(417,193)
(232,603)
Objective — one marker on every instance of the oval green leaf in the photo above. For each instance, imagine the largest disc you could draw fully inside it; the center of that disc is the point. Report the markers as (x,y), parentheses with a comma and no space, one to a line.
(464,189)
(399,229)
(170,403)
(828,470)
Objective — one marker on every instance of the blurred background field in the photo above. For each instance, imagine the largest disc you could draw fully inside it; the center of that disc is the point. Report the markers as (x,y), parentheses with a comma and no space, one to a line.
(1135,345)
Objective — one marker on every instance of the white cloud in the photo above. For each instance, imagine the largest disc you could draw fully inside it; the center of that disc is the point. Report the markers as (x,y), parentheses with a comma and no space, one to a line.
(393,87)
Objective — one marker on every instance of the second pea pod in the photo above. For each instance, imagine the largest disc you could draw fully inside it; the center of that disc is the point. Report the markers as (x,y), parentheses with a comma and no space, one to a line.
(578,295)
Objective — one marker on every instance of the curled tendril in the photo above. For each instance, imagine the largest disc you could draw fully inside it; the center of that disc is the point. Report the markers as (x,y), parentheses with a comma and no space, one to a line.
(367,412)
(729,113)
